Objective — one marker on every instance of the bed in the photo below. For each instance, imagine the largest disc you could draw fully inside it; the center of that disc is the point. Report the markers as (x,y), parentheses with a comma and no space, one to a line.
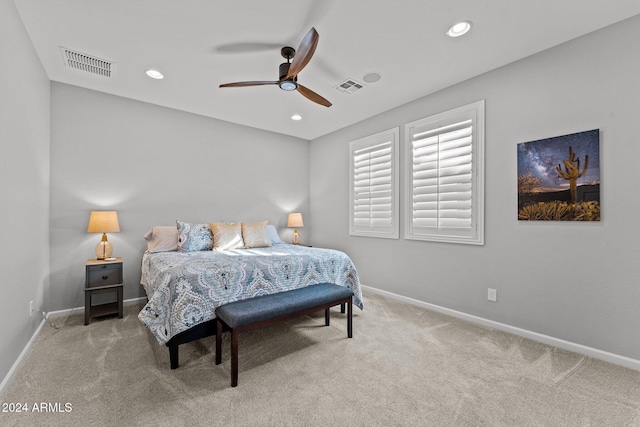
(184,287)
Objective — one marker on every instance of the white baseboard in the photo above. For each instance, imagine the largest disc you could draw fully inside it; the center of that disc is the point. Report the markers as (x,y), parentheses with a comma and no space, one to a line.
(7,379)
(616,359)
(69,311)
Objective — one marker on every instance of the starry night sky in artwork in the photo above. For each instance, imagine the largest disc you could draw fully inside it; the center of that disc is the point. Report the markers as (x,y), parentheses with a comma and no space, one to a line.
(540,158)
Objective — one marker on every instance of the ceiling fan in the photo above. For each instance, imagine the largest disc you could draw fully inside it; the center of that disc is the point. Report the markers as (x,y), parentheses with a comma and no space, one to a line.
(289,70)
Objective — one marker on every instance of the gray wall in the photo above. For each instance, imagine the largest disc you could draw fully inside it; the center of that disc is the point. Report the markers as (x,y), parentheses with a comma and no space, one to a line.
(577,282)
(154,166)
(24,185)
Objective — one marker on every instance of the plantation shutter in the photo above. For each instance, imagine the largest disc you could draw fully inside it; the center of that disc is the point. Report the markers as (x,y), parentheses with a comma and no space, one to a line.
(443,178)
(374,183)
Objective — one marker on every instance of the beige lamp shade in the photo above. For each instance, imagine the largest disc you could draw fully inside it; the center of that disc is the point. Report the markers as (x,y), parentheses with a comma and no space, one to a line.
(103,222)
(295,221)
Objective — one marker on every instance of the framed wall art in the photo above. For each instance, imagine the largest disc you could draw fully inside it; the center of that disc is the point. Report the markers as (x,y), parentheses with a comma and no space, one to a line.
(559,178)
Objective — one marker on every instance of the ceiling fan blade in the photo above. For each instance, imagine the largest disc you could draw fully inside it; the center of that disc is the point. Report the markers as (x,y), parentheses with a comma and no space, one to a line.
(304,53)
(243,84)
(311,95)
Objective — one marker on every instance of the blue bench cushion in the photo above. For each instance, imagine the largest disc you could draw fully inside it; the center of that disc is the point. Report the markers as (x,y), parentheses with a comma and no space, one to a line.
(265,307)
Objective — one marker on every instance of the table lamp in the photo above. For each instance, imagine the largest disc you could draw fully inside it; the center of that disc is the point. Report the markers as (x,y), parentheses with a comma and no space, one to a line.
(103,222)
(295,221)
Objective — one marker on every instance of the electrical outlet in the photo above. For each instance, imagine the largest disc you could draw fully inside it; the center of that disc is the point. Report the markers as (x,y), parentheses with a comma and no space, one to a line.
(492,295)
(30,308)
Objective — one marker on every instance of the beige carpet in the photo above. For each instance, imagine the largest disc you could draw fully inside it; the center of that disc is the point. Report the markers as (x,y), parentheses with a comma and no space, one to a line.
(404,366)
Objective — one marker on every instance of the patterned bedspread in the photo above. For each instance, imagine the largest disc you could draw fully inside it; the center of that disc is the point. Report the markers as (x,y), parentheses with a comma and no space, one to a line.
(184,288)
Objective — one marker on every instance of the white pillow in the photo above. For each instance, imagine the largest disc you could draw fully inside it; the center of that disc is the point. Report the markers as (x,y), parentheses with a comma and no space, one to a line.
(273,234)
(163,238)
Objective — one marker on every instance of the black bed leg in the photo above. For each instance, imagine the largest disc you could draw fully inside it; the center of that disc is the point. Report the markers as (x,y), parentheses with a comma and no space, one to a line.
(173,355)
(342,308)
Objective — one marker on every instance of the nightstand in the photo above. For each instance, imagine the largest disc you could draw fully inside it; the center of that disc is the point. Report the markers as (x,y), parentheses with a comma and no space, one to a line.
(102,277)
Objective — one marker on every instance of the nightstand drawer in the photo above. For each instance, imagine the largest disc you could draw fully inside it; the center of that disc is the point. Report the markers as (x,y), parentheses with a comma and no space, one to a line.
(101,275)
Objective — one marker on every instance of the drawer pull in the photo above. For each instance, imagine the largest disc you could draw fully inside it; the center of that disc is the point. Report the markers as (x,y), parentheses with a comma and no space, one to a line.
(105,277)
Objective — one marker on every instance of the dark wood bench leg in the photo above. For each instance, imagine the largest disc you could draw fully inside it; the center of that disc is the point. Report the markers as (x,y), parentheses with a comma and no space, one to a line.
(218,342)
(87,306)
(350,319)
(327,316)
(120,303)
(173,355)
(234,357)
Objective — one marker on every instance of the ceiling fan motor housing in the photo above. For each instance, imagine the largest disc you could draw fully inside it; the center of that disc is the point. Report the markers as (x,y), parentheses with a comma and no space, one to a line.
(284,70)
(290,83)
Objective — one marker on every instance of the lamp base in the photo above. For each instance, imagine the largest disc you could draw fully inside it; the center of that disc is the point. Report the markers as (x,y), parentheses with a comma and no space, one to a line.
(295,239)
(104,249)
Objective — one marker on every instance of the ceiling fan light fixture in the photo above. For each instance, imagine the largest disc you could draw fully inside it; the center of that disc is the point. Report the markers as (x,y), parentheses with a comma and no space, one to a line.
(288,85)
(459,29)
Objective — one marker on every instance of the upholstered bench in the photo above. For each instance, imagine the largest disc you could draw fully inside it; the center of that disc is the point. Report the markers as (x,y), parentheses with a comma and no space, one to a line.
(265,310)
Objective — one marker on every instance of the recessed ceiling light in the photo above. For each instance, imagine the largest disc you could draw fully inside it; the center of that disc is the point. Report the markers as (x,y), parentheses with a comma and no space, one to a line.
(296,117)
(155,74)
(459,29)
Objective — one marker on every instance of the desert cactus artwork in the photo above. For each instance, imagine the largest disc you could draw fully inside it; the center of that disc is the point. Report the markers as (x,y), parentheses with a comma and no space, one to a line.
(555,187)
(572,172)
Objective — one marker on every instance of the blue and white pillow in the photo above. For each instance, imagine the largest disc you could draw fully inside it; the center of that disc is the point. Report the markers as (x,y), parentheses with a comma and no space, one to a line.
(194,237)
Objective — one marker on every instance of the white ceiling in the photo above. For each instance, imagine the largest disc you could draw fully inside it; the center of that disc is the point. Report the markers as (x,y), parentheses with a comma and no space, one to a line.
(200,44)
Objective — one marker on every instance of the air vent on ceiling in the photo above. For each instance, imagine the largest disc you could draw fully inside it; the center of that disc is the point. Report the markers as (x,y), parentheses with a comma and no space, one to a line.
(83,62)
(349,86)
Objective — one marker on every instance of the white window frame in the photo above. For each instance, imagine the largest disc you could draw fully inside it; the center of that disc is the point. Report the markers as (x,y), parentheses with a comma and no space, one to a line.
(474,234)
(391,230)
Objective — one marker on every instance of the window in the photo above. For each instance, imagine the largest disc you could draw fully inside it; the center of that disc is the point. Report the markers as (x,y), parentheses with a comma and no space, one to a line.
(444,176)
(373,191)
